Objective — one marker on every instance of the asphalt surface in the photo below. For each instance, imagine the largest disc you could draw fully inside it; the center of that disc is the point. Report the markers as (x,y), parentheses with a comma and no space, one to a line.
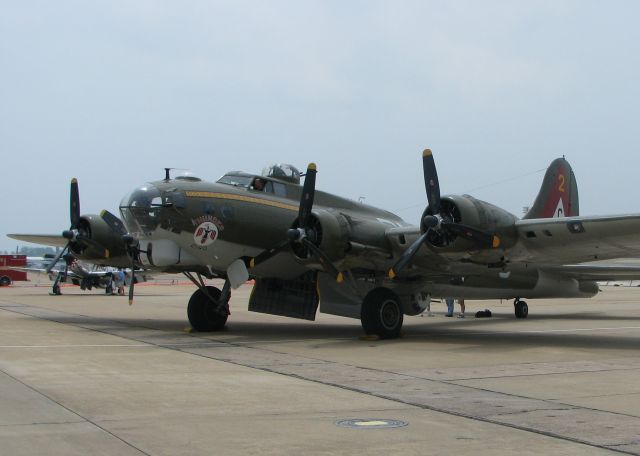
(84,373)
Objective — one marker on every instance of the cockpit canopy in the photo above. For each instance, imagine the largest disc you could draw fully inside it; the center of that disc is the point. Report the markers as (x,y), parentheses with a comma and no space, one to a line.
(140,208)
(283,171)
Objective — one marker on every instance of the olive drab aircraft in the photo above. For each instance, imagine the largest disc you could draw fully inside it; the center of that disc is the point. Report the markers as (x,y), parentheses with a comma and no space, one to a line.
(310,250)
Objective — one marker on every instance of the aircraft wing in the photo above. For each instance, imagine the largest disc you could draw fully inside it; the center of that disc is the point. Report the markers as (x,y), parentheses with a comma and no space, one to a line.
(578,239)
(32,270)
(600,272)
(54,240)
(40,271)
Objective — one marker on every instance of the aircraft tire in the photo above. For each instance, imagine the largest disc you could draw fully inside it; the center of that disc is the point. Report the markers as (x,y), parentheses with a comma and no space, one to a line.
(202,312)
(381,314)
(5,281)
(521,309)
(56,290)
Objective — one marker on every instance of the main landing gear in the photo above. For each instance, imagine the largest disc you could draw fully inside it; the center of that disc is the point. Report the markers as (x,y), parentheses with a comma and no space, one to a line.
(521,308)
(381,314)
(208,307)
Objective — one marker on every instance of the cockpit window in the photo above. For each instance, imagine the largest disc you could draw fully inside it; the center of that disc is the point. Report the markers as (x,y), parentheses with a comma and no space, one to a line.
(235,180)
(141,208)
(174,198)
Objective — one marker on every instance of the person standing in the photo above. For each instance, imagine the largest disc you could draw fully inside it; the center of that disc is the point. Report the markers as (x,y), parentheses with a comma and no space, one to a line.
(462,308)
(118,281)
(449,302)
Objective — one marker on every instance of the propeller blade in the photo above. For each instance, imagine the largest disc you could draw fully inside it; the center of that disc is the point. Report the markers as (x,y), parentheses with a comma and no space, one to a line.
(308,193)
(474,234)
(74,203)
(267,254)
(407,256)
(431,182)
(57,258)
(113,222)
(324,260)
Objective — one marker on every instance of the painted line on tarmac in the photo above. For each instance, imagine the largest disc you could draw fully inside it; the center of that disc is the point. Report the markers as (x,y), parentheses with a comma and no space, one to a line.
(530,331)
(578,329)
(77,346)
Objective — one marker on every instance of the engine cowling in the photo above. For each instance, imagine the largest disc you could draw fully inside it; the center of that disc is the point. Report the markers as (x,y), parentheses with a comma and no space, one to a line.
(94,227)
(469,211)
(329,231)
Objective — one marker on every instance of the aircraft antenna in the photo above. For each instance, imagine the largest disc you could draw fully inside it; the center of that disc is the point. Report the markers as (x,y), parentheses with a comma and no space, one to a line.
(166,174)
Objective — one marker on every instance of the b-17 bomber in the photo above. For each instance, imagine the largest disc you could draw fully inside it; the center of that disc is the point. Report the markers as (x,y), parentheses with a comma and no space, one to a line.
(311,251)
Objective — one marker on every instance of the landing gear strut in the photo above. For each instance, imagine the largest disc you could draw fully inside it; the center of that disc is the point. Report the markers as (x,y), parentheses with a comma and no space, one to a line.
(56,284)
(381,314)
(521,308)
(208,307)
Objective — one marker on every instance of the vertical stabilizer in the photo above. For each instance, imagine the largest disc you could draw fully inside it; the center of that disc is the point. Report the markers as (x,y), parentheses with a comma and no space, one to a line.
(558,196)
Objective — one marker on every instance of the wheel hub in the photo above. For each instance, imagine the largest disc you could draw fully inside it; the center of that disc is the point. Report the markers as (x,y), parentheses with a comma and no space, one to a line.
(389,314)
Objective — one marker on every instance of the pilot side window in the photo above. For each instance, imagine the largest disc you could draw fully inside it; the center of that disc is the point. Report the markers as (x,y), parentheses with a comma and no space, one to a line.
(279,189)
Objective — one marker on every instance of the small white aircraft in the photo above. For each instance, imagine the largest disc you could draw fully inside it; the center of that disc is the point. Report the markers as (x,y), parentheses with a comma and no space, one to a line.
(82,274)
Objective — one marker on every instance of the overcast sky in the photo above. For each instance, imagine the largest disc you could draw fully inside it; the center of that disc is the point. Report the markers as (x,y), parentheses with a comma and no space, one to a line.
(111,92)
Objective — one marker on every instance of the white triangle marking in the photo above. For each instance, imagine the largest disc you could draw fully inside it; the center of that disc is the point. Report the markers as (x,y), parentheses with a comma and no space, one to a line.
(559,212)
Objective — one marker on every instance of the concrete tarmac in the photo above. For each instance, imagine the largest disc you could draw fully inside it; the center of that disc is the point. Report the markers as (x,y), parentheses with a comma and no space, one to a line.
(85,373)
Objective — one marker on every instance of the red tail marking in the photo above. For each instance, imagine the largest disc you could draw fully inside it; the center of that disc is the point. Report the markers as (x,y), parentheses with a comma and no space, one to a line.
(558,199)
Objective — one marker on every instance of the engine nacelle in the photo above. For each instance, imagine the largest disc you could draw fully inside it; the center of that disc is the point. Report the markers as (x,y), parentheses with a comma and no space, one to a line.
(330,232)
(95,228)
(483,216)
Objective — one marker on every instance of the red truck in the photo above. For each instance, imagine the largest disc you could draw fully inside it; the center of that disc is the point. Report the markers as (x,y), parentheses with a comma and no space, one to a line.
(8,276)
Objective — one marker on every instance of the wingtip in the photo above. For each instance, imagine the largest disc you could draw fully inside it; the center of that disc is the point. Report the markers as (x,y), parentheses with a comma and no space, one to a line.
(496,242)
(312,166)
(392,274)
(252,263)
(74,180)
(427,152)
(340,278)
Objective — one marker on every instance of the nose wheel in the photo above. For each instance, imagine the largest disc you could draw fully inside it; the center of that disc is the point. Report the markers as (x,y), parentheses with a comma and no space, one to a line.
(521,308)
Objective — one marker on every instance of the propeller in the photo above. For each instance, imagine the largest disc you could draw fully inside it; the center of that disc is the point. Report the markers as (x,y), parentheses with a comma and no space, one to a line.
(132,244)
(113,222)
(436,222)
(133,250)
(303,233)
(74,236)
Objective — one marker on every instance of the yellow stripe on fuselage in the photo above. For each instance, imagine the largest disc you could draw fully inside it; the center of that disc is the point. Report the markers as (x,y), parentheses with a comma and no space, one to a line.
(245,199)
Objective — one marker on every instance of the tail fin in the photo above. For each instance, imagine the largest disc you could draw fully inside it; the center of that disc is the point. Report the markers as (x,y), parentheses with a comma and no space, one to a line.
(558,196)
